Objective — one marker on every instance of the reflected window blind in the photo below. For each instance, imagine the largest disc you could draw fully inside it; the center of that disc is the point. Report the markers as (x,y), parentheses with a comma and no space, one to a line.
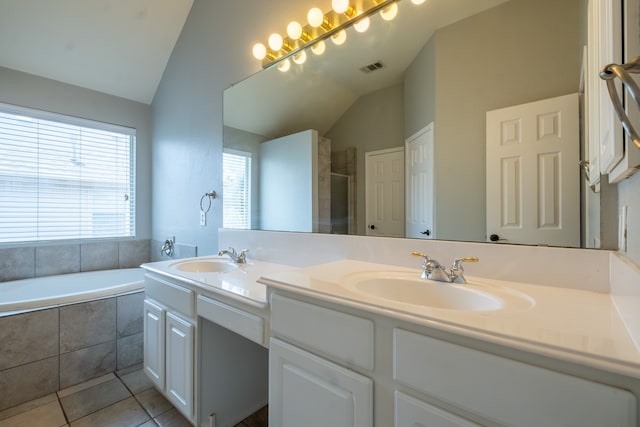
(64,178)
(236,186)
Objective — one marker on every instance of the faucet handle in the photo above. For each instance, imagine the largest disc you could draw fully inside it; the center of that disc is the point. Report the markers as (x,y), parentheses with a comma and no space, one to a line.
(457,263)
(457,271)
(242,256)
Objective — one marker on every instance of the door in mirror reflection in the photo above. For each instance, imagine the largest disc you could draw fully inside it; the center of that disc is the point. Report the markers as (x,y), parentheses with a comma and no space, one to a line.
(419,172)
(384,192)
(533,176)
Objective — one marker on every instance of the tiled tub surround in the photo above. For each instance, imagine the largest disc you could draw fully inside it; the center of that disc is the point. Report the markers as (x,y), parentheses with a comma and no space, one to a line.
(24,262)
(46,350)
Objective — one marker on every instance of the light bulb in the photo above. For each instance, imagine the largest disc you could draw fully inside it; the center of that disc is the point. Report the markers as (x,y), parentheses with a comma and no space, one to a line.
(389,12)
(417,1)
(275,41)
(284,66)
(294,30)
(362,24)
(339,38)
(300,57)
(259,51)
(340,6)
(315,17)
(318,48)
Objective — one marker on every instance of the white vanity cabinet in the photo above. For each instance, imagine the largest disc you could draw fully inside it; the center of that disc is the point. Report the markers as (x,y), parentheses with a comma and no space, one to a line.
(501,390)
(306,389)
(169,342)
(324,366)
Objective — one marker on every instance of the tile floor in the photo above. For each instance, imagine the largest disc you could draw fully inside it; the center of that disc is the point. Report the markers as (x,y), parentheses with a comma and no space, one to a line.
(127,399)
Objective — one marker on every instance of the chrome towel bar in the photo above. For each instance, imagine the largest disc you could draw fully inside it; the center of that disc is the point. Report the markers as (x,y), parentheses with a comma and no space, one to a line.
(609,73)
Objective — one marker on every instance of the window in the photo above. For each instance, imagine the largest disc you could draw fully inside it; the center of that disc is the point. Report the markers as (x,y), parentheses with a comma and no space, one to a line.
(64,178)
(236,187)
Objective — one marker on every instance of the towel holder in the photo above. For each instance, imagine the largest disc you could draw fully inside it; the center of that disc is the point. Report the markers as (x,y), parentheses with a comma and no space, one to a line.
(609,73)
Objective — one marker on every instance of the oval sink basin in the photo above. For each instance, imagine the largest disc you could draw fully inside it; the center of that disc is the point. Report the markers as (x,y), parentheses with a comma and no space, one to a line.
(204,266)
(407,289)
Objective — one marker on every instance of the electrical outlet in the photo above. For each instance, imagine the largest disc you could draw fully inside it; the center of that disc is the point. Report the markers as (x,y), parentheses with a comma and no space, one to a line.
(622,229)
(203,218)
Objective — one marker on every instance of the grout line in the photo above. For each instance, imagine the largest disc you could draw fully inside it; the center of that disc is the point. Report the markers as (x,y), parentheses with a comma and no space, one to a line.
(64,413)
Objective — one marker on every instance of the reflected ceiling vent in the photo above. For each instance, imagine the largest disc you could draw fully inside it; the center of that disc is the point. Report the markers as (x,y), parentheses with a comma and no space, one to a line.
(378,65)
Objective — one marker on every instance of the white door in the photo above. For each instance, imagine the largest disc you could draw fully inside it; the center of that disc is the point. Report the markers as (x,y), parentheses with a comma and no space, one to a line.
(154,334)
(384,192)
(179,373)
(533,177)
(419,186)
(306,390)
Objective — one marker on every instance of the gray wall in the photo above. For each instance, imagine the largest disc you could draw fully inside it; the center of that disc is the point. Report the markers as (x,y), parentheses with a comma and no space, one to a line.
(49,95)
(472,78)
(374,122)
(213,52)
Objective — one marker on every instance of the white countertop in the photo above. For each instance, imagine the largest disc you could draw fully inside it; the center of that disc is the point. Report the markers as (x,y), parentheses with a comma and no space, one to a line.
(239,284)
(574,325)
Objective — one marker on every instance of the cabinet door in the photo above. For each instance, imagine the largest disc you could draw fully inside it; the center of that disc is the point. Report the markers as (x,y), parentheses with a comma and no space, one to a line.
(179,364)
(154,334)
(305,390)
(410,412)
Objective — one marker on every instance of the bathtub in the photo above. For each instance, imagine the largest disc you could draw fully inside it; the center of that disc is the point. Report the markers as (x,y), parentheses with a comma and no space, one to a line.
(49,291)
(58,331)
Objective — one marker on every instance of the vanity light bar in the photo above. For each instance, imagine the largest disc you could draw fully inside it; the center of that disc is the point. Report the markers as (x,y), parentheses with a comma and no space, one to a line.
(331,25)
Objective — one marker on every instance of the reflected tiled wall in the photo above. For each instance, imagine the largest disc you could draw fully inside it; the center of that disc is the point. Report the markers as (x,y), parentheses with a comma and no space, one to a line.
(55,348)
(27,262)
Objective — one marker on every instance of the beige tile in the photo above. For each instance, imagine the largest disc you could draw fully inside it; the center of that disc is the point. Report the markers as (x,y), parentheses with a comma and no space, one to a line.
(126,413)
(172,418)
(85,385)
(87,363)
(49,415)
(17,263)
(258,419)
(136,381)
(86,324)
(27,382)
(57,259)
(149,423)
(32,404)
(153,402)
(93,399)
(33,336)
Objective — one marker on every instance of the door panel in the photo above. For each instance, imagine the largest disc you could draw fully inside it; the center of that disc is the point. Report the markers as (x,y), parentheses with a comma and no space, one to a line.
(154,334)
(384,188)
(419,170)
(533,177)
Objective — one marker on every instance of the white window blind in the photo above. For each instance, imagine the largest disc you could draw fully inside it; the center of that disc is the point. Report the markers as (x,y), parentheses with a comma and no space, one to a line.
(236,186)
(64,178)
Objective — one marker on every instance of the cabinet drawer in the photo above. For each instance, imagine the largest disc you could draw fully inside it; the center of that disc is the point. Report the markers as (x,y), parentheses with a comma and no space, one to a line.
(411,412)
(242,323)
(506,391)
(347,338)
(169,294)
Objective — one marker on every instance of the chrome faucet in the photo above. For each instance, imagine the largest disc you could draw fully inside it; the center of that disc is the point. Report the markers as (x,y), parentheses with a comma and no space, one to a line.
(238,258)
(167,247)
(433,270)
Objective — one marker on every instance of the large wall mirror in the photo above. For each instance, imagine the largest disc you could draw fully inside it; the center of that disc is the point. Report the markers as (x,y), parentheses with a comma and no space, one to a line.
(303,148)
